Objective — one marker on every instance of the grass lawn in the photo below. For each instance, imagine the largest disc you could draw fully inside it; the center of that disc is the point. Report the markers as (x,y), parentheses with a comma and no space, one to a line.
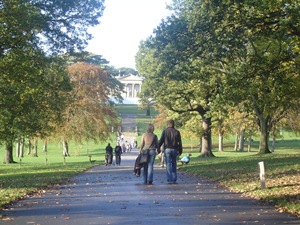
(240,172)
(31,174)
(236,170)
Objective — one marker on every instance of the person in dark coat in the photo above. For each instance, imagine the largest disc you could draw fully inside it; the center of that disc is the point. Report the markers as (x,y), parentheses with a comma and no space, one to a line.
(108,154)
(171,139)
(118,153)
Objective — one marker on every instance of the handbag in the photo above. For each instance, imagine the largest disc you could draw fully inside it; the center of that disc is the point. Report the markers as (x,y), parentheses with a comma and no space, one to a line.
(144,156)
(145,153)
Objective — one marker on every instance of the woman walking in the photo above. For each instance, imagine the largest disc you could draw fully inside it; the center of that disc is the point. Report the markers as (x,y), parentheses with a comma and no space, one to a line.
(149,143)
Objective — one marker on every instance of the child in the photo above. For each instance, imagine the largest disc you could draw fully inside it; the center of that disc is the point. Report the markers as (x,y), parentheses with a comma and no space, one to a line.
(185,159)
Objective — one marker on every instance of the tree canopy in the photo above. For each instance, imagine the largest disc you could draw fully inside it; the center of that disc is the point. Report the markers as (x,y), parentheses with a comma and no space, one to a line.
(88,115)
(33,80)
(210,54)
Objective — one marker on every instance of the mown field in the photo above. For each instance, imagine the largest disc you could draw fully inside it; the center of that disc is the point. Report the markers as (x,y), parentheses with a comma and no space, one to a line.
(236,170)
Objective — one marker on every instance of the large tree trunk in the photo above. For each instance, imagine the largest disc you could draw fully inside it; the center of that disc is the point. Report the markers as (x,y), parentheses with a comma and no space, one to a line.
(8,157)
(206,138)
(264,136)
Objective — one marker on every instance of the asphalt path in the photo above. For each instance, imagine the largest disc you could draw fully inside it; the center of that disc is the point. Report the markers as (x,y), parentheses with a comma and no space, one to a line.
(113,195)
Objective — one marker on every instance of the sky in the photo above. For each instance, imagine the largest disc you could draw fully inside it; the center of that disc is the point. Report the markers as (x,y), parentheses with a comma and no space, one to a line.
(123,25)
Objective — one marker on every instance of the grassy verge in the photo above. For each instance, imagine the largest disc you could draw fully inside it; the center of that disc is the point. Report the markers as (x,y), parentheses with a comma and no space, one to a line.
(236,170)
(34,174)
(239,171)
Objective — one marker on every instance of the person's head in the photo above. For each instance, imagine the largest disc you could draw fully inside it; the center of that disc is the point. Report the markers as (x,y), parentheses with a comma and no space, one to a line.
(150,128)
(108,144)
(171,123)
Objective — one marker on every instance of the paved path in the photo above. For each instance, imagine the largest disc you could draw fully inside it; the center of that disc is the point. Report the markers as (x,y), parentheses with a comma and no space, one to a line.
(113,195)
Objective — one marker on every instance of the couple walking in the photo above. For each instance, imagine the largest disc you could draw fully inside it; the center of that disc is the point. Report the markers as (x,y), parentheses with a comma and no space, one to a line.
(171,140)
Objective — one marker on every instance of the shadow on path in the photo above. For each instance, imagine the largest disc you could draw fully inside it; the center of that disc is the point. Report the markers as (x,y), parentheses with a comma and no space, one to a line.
(113,195)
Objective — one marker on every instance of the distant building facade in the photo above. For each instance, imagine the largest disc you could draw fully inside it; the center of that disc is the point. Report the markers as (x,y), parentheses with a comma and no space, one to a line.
(132,86)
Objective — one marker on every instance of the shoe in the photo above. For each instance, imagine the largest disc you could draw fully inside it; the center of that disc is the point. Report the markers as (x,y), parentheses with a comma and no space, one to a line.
(150,182)
(172,182)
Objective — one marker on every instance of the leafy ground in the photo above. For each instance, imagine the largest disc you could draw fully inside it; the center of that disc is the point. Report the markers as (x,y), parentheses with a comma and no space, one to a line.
(240,172)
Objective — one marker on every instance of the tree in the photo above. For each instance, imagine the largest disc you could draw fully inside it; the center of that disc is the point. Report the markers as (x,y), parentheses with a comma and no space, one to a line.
(32,99)
(30,31)
(190,85)
(126,71)
(89,115)
(267,65)
(146,102)
(257,48)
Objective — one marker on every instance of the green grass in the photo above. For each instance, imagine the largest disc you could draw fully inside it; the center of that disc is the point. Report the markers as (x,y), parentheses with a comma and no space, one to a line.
(240,172)
(31,174)
(236,170)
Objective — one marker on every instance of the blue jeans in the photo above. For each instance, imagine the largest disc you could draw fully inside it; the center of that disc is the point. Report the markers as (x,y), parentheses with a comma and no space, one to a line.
(148,167)
(171,164)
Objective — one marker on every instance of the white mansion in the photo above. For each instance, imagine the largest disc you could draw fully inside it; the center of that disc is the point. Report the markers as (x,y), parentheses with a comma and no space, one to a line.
(132,86)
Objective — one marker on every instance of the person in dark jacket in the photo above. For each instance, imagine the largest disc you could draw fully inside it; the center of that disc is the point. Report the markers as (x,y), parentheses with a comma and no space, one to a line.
(118,153)
(108,154)
(171,139)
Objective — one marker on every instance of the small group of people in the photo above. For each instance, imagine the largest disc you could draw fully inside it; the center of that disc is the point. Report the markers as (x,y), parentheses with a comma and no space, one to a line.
(109,154)
(171,145)
(126,145)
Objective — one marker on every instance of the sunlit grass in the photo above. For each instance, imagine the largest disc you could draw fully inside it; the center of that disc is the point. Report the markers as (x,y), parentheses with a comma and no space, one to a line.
(236,170)
(31,174)
(240,172)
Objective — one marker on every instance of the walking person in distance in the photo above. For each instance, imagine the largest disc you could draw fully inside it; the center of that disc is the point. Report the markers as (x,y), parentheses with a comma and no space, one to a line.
(108,154)
(149,142)
(118,153)
(171,139)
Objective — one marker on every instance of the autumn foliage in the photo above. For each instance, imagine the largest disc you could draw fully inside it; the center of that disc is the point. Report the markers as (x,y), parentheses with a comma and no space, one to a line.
(89,115)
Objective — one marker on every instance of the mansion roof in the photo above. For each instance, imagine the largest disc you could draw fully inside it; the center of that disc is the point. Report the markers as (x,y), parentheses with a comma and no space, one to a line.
(130,78)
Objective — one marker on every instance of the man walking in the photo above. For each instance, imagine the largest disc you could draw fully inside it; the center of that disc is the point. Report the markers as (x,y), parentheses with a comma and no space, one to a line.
(171,140)
(108,154)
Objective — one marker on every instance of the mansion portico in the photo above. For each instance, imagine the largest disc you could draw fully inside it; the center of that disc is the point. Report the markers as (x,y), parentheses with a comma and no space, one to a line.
(132,86)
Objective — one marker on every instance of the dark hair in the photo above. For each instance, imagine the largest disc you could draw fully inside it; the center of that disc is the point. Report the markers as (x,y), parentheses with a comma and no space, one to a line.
(171,123)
